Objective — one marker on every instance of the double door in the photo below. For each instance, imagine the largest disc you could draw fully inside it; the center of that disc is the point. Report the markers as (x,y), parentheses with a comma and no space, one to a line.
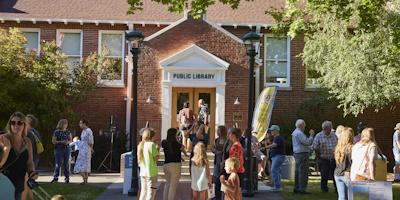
(193,95)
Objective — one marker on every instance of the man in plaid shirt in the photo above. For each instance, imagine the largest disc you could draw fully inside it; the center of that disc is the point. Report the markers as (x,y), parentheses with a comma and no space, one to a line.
(324,145)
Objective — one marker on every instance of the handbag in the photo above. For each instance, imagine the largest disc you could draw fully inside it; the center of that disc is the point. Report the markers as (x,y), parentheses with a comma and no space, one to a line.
(380,171)
(38,143)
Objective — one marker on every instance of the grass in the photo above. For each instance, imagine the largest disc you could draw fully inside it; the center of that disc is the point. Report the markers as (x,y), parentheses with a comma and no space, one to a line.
(314,188)
(72,191)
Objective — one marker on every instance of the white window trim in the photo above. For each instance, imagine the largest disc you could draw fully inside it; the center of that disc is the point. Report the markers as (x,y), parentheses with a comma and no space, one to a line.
(113,83)
(281,85)
(33,30)
(59,31)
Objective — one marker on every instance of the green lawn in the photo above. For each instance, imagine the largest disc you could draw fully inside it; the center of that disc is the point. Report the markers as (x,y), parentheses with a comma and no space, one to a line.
(73,191)
(314,188)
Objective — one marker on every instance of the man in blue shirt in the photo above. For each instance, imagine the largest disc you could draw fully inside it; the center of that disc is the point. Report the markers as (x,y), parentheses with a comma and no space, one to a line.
(301,151)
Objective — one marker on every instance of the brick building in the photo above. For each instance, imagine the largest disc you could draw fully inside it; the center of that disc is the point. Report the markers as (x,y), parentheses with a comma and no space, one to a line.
(183,59)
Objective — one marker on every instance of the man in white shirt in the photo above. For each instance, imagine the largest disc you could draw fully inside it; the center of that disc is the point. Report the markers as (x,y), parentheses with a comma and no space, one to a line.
(301,151)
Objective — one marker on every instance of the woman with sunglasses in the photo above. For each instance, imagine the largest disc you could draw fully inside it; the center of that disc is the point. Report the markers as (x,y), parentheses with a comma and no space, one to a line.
(17,157)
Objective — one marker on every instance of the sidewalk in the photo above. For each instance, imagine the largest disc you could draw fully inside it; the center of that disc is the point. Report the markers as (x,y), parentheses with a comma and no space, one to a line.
(114,191)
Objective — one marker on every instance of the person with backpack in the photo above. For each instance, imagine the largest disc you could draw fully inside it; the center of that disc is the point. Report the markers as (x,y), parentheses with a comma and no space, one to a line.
(186,120)
(35,137)
(186,117)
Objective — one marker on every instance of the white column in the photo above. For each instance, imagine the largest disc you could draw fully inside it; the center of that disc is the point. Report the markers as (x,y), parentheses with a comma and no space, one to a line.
(128,59)
(166,99)
(220,105)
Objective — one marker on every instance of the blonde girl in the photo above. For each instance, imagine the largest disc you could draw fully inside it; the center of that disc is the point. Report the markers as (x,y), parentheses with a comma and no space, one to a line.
(147,154)
(363,155)
(200,172)
(16,159)
(343,161)
(231,187)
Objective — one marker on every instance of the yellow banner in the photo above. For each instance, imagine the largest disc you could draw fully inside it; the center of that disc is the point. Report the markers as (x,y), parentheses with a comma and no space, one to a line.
(263,112)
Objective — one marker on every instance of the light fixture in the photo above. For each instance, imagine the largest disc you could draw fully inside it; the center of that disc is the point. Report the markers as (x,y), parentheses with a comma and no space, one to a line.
(237,102)
(148,100)
(135,38)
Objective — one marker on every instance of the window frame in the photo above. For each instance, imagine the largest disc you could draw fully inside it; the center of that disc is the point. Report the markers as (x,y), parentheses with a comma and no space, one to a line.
(113,83)
(58,35)
(265,60)
(31,30)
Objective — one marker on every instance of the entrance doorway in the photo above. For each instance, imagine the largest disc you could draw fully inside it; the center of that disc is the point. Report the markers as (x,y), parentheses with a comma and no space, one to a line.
(192,95)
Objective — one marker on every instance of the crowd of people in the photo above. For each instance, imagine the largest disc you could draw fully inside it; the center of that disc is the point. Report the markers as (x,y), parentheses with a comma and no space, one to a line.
(337,152)
(21,144)
(341,155)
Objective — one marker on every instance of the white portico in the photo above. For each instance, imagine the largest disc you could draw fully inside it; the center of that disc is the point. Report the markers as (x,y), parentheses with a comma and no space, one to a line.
(193,67)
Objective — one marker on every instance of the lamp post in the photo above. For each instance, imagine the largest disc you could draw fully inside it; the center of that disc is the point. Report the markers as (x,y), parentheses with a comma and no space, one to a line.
(135,39)
(250,39)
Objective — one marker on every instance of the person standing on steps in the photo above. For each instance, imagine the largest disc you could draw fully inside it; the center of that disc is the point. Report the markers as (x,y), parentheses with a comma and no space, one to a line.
(61,138)
(84,159)
(172,165)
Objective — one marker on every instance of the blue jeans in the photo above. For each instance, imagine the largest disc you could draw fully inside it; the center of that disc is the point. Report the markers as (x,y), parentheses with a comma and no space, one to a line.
(326,168)
(276,170)
(61,155)
(301,171)
(341,185)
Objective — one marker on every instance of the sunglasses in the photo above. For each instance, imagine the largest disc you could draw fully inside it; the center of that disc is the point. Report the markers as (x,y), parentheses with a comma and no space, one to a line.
(19,123)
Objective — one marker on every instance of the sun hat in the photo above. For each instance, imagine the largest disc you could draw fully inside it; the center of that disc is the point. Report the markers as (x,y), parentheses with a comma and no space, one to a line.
(274,128)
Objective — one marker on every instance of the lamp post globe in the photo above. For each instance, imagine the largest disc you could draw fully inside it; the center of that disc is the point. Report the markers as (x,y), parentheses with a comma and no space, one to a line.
(250,40)
(135,39)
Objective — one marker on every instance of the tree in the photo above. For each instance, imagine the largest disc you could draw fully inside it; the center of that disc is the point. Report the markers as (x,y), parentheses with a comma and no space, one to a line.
(352,44)
(43,84)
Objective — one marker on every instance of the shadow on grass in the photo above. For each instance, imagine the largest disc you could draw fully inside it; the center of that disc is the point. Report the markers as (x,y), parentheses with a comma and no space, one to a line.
(73,191)
(314,188)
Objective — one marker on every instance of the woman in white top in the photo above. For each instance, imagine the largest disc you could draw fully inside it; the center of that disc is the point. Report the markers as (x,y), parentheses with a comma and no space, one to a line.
(363,156)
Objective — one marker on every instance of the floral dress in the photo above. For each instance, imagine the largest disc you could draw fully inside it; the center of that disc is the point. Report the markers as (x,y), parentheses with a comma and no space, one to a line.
(85,155)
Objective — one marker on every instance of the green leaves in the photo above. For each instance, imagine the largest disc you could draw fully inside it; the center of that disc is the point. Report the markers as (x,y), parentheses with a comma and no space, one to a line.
(196,8)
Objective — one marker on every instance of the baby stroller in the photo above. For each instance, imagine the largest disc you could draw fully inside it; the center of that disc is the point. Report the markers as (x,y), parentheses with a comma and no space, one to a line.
(37,190)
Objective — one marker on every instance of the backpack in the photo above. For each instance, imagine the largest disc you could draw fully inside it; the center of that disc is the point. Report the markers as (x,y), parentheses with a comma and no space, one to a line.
(38,143)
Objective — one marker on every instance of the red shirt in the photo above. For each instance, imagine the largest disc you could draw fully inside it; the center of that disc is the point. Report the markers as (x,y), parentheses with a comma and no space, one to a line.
(237,151)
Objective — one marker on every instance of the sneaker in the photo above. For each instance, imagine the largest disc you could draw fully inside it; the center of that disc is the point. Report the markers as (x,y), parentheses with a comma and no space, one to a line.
(66,180)
(54,180)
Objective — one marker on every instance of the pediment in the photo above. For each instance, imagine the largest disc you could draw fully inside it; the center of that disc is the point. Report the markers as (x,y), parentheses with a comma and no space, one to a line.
(194,57)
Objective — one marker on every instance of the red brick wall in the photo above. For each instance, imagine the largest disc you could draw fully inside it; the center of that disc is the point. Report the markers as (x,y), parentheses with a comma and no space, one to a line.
(105,101)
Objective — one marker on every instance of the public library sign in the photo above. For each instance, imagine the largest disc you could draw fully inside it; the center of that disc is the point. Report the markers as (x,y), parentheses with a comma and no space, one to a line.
(193,76)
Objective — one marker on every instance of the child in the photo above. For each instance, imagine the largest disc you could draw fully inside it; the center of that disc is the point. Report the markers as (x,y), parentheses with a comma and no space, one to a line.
(200,172)
(147,154)
(75,144)
(231,187)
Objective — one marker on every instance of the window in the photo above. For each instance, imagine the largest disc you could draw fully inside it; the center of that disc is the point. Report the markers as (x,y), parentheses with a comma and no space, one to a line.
(70,43)
(277,62)
(312,78)
(33,39)
(112,43)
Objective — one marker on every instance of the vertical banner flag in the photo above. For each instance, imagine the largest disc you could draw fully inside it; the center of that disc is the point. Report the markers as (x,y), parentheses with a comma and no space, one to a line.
(263,112)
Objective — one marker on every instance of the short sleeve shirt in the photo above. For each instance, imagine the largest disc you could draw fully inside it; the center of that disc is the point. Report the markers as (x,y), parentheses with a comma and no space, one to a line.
(61,135)
(172,151)
(237,151)
(280,148)
(148,168)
